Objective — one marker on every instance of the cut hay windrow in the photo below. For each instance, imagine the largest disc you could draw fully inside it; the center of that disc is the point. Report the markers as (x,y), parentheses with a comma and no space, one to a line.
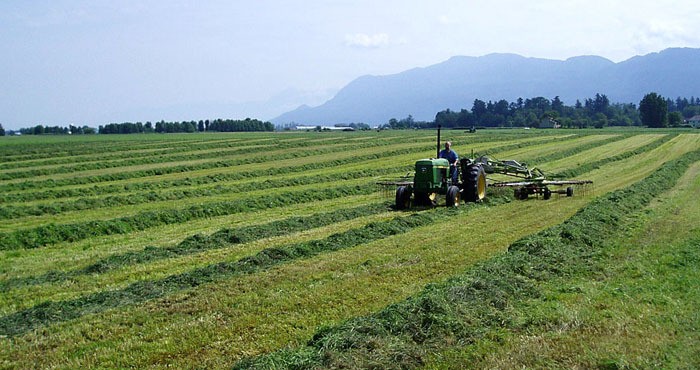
(129,151)
(271,151)
(84,203)
(483,301)
(183,154)
(53,233)
(95,189)
(198,243)
(13,212)
(590,166)
(52,312)
(78,180)
(569,151)
(80,152)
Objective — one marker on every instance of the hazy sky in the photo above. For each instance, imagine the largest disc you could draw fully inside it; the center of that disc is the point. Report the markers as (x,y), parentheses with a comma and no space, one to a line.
(95,62)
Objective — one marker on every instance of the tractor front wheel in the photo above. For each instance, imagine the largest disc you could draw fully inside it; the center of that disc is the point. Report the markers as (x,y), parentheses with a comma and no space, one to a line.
(403,197)
(453,196)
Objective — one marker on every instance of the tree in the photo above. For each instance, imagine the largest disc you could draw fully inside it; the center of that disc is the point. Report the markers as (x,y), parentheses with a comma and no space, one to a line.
(479,109)
(653,110)
(557,105)
(2,130)
(675,119)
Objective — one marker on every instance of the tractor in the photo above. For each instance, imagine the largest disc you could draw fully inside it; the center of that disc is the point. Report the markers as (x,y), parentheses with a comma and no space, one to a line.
(432,178)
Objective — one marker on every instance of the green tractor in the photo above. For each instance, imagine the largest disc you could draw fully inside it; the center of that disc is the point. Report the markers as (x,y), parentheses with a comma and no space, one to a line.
(432,178)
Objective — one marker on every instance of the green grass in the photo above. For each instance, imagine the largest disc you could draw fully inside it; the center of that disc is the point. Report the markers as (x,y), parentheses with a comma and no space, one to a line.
(639,309)
(484,302)
(178,294)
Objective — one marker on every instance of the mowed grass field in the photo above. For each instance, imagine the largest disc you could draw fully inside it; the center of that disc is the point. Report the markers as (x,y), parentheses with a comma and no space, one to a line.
(223,250)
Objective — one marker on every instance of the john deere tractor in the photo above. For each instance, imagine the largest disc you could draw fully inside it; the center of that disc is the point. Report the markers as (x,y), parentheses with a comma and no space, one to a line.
(432,178)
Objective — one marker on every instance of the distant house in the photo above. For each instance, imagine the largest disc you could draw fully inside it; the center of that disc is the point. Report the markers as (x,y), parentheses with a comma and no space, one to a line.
(695,121)
(324,128)
(548,122)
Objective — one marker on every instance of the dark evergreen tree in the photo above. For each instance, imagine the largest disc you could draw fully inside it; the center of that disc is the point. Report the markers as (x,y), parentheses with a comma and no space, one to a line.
(653,110)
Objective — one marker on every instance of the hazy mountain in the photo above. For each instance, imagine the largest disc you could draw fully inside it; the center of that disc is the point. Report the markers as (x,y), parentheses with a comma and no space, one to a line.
(455,83)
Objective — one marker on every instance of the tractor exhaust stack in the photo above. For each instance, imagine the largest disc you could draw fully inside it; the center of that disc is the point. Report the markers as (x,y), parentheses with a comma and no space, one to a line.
(437,155)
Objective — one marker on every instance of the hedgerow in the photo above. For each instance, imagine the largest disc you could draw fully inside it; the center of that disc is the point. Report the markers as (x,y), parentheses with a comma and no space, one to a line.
(482,300)
(198,243)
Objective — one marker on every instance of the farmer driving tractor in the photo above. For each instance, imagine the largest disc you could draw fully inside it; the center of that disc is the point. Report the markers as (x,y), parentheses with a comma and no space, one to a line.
(452,158)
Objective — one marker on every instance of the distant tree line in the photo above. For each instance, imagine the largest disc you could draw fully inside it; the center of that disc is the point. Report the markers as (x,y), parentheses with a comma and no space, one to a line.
(239,125)
(218,125)
(653,111)
(57,130)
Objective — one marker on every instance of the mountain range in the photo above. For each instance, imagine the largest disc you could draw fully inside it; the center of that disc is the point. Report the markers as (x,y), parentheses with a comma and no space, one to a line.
(457,82)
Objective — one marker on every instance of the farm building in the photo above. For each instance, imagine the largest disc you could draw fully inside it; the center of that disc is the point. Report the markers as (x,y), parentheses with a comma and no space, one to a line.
(326,128)
(695,121)
(548,122)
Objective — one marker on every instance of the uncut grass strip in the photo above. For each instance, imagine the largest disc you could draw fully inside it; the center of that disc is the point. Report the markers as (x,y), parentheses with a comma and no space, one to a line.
(587,167)
(198,243)
(472,306)
(58,311)
(52,233)
(54,208)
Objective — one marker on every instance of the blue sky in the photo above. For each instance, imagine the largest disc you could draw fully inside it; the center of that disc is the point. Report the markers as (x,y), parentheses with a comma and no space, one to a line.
(96,62)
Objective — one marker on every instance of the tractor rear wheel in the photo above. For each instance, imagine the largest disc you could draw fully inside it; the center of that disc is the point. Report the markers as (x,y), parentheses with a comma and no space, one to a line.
(403,198)
(569,191)
(474,183)
(453,196)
